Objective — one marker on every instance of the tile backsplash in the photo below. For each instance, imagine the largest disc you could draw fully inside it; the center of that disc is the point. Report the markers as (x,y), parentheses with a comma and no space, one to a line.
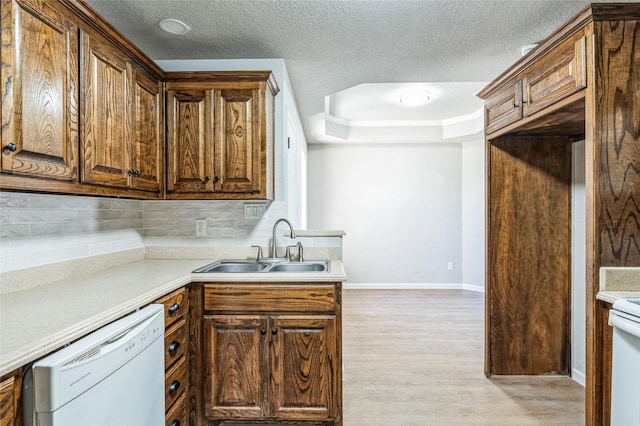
(37,229)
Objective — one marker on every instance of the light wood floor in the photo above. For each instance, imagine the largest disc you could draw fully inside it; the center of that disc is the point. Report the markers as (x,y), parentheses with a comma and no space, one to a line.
(415,357)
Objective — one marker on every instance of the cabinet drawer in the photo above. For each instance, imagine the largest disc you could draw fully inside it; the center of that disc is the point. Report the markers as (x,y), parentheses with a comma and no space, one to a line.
(175,383)
(269,298)
(504,107)
(175,343)
(177,415)
(175,306)
(557,75)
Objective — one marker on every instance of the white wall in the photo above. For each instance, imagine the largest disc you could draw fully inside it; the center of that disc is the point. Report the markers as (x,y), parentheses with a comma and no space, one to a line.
(473,213)
(578,265)
(400,205)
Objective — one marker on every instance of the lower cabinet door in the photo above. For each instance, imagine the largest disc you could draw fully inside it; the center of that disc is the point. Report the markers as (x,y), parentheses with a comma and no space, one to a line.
(303,361)
(236,366)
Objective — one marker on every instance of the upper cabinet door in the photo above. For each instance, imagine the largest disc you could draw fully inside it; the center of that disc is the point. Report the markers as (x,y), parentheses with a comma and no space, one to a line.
(238,148)
(39,91)
(189,141)
(104,112)
(147,155)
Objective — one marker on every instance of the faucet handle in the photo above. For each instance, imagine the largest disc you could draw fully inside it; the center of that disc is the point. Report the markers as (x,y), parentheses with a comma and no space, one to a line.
(259,253)
(300,252)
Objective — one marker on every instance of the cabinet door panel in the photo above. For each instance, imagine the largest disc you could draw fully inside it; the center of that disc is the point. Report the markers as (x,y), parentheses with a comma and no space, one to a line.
(303,359)
(238,150)
(504,107)
(236,366)
(39,92)
(148,135)
(190,147)
(557,76)
(104,111)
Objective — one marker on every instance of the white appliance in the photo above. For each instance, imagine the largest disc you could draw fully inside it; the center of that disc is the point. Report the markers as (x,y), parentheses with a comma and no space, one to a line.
(625,382)
(113,377)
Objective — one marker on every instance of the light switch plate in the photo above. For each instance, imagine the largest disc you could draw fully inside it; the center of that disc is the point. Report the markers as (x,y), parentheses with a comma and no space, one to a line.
(254,210)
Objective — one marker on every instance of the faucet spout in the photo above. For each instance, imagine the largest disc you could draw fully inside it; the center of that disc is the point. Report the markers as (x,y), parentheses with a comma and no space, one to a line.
(274,246)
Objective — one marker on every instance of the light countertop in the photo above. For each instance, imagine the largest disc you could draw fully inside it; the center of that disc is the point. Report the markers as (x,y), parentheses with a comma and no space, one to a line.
(618,283)
(38,320)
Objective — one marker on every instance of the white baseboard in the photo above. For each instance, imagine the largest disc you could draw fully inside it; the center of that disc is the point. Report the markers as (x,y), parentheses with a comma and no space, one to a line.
(411,286)
(579,377)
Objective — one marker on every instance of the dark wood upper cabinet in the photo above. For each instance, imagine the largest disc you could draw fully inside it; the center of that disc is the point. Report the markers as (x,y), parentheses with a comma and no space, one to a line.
(220,135)
(39,91)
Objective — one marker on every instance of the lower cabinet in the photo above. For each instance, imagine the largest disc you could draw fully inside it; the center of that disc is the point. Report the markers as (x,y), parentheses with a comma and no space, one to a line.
(10,389)
(272,353)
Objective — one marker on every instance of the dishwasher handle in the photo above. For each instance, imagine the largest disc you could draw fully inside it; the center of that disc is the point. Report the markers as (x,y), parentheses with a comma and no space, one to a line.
(624,324)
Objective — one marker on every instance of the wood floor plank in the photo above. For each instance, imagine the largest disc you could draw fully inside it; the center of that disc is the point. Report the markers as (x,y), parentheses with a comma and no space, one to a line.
(415,358)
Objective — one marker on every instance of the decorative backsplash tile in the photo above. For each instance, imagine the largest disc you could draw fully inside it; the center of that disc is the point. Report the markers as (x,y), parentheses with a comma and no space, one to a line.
(37,229)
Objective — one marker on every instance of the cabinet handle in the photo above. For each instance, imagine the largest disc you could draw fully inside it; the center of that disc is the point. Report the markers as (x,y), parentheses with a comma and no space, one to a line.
(216,179)
(11,147)
(175,423)
(132,172)
(274,331)
(174,308)
(207,178)
(174,387)
(515,105)
(173,347)
(263,332)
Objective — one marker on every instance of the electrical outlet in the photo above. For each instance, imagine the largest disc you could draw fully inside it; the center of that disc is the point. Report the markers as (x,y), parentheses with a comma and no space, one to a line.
(201,227)
(450,266)
(253,210)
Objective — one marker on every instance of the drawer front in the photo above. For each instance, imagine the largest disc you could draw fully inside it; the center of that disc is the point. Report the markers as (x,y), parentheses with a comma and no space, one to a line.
(559,74)
(270,298)
(175,383)
(177,415)
(504,107)
(175,343)
(175,306)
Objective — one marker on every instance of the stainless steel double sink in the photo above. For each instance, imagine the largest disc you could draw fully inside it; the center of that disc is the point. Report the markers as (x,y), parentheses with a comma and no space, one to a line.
(252,266)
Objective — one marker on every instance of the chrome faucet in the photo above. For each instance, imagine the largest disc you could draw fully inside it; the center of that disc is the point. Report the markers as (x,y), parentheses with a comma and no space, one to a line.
(274,247)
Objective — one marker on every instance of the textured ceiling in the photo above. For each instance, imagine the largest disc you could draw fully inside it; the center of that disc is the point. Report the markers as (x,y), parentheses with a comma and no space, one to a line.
(333,45)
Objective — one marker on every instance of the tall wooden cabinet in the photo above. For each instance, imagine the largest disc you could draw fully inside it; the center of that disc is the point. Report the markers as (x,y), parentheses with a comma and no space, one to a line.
(220,135)
(581,83)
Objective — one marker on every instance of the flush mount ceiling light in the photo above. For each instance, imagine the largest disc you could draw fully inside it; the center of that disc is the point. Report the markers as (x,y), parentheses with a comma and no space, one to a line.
(415,98)
(174,26)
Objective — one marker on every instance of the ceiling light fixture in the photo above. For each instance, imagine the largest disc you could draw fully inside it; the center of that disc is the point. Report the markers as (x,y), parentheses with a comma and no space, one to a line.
(174,26)
(415,98)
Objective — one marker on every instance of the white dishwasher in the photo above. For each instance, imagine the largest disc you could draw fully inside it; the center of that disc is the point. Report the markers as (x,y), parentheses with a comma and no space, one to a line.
(112,377)
(625,381)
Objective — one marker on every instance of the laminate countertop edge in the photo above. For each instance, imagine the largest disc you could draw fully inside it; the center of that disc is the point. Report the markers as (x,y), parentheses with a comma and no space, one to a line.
(39,320)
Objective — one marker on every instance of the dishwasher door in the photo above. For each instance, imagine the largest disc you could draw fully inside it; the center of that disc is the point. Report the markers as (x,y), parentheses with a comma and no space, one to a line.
(113,377)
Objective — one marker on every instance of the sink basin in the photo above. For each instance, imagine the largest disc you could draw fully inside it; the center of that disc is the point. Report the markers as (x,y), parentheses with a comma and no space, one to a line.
(252,266)
(232,266)
(299,267)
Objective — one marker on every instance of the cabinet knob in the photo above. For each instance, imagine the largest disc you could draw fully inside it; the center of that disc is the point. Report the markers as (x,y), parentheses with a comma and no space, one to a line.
(174,308)
(274,331)
(207,178)
(173,347)
(132,172)
(174,387)
(216,179)
(515,105)
(11,147)
(263,331)
(175,423)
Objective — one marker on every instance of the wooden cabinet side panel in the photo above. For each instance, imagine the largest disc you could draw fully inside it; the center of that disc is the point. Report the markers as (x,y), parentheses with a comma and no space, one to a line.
(235,367)
(529,243)
(10,399)
(105,136)
(39,77)
(304,361)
